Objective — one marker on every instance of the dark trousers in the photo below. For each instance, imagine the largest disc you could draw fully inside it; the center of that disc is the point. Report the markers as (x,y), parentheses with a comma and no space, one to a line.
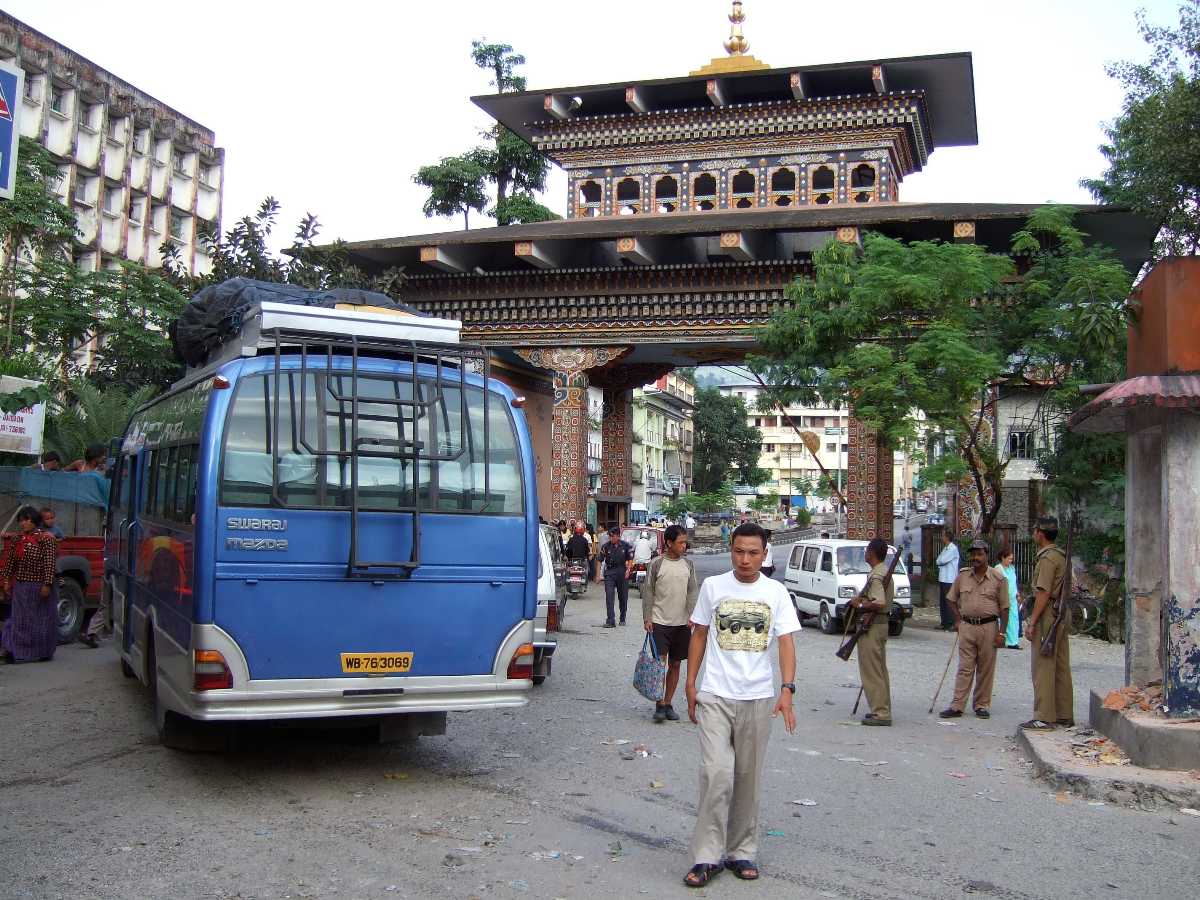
(614,580)
(943,595)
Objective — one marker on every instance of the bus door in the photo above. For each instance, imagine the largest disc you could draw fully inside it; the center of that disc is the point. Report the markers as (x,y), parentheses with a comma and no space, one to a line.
(128,526)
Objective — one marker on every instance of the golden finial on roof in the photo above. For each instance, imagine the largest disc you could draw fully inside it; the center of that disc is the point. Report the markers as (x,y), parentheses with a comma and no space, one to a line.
(736,44)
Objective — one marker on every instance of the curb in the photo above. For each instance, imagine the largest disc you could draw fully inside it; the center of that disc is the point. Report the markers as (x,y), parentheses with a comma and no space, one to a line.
(1128,786)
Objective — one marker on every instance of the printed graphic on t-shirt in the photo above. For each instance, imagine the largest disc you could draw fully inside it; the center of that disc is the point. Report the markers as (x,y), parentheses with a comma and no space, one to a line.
(743,625)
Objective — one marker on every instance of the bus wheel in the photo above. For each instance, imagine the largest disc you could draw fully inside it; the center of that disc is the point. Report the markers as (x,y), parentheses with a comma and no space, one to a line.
(70,610)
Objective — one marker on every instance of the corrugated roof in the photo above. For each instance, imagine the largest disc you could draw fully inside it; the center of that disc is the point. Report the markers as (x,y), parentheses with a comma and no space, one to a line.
(1107,413)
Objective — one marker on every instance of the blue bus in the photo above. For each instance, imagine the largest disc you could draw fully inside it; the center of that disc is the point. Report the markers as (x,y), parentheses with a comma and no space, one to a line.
(332,519)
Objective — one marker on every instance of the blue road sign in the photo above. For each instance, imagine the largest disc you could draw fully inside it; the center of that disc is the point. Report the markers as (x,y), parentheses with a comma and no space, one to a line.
(12,85)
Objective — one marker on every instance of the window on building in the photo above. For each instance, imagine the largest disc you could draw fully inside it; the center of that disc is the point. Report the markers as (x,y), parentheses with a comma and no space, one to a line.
(33,87)
(783,187)
(84,188)
(831,448)
(208,175)
(591,195)
(741,191)
(88,114)
(768,448)
(821,185)
(114,200)
(137,210)
(178,225)
(1020,445)
(158,216)
(63,180)
(666,194)
(59,99)
(704,192)
(116,129)
(629,196)
(141,141)
(180,163)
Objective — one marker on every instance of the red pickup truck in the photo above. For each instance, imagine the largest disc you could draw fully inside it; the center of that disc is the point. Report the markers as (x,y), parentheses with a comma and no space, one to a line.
(80,575)
(79,499)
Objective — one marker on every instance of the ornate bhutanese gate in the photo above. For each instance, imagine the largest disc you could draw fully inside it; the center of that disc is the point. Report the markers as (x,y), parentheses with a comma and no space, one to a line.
(692,203)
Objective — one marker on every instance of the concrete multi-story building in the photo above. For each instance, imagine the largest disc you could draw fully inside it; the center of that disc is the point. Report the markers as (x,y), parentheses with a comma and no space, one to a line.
(662,441)
(138,173)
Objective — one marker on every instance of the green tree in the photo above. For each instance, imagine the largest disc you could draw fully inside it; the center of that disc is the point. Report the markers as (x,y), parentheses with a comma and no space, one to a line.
(932,326)
(724,442)
(765,503)
(88,415)
(1153,148)
(456,185)
(521,209)
(137,308)
(826,487)
(34,225)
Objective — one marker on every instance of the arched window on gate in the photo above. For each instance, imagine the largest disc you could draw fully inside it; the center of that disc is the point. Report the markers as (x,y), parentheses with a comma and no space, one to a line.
(863,183)
(741,191)
(821,185)
(704,192)
(783,187)
(589,202)
(666,194)
(629,197)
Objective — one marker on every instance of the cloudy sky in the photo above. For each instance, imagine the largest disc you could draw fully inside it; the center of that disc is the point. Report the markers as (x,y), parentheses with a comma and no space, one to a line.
(331,107)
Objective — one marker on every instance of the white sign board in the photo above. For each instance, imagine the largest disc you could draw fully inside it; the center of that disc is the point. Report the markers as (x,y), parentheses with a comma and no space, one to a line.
(21,430)
(12,88)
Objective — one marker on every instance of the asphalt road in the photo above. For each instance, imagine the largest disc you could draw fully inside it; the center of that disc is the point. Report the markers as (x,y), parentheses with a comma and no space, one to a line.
(538,802)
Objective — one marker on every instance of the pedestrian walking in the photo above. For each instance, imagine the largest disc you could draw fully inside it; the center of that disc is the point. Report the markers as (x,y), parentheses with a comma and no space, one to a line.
(1007,566)
(724,533)
(947,563)
(981,607)
(872,646)
(27,575)
(616,561)
(593,547)
(1053,691)
(668,598)
(689,522)
(768,566)
(738,616)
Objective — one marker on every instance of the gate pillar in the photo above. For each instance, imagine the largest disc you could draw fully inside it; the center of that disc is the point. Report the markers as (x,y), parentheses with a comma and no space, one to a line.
(615,477)
(869,489)
(569,428)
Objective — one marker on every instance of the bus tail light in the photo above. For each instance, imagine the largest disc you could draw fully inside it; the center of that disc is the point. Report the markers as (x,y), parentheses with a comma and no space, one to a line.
(522,662)
(210,671)
(552,616)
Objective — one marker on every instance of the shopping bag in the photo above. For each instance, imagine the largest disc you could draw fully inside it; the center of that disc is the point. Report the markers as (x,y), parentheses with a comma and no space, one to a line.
(650,673)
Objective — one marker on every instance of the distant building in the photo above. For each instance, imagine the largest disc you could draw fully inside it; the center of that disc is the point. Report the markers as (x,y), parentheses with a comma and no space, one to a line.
(137,172)
(1023,429)
(662,441)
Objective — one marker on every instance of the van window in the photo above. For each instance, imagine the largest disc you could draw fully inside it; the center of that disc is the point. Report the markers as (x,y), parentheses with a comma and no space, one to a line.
(811,555)
(794,559)
(453,482)
(853,561)
(826,561)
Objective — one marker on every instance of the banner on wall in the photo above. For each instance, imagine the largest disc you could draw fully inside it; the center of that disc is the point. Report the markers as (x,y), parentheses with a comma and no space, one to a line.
(21,430)
(12,87)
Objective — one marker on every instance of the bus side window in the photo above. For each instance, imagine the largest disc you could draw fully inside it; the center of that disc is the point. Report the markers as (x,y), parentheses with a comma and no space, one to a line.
(151,482)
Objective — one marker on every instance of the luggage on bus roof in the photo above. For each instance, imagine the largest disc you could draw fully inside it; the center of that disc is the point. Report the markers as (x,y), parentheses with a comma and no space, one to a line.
(215,313)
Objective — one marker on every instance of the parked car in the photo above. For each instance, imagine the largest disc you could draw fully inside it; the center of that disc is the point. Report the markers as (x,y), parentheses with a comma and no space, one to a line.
(552,600)
(823,576)
(921,506)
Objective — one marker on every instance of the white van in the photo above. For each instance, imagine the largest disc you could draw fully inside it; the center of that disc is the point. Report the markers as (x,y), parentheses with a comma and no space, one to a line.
(551,597)
(823,576)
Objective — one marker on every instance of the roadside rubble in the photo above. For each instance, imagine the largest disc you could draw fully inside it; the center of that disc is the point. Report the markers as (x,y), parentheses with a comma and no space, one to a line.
(1090,747)
(1148,699)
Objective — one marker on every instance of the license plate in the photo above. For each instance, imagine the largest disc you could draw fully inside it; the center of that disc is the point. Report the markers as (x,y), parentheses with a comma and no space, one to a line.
(376,663)
(576,579)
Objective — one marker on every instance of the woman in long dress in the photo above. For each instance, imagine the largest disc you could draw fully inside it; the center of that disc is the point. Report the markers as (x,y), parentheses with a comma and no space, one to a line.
(27,575)
(1007,567)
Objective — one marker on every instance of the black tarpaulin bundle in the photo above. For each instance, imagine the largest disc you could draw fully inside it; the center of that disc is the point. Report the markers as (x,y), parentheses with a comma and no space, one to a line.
(215,313)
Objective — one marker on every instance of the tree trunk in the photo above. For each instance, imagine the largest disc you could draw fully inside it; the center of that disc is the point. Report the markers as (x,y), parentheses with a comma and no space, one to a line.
(466,220)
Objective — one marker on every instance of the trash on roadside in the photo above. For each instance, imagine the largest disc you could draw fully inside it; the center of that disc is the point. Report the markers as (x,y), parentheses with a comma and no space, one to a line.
(774,833)
(545,854)
(958,774)
(452,861)
(615,850)
(853,759)
(516,821)
(396,776)
(805,802)
(656,784)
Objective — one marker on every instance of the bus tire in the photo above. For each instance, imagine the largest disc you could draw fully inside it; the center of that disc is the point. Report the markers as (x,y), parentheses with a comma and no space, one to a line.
(70,610)
(127,669)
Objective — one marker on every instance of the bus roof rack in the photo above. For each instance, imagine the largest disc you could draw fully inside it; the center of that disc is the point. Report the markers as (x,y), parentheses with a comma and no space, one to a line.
(262,321)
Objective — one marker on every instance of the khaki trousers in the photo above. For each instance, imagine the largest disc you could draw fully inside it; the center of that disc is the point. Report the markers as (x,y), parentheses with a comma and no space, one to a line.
(873,671)
(99,626)
(976,661)
(733,745)
(1053,692)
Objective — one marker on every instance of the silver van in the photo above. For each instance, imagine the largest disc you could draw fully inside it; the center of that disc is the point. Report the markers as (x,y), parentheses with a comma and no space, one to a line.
(551,597)
(823,576)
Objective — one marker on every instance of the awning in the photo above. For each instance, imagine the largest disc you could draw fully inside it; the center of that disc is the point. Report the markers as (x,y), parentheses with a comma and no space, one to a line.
(1107,413)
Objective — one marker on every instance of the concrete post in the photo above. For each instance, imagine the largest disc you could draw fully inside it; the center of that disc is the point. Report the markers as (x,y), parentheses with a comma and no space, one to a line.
(1181,561)
(1143,556)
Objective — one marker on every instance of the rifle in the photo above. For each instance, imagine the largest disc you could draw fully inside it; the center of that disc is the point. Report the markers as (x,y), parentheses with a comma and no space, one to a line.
(1062,603)
(866,619)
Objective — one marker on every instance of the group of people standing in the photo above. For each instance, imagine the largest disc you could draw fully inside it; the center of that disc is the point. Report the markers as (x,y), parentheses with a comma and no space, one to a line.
(28,576)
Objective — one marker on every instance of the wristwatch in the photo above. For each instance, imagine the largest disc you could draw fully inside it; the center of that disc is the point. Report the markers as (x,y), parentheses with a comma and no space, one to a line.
(790,685)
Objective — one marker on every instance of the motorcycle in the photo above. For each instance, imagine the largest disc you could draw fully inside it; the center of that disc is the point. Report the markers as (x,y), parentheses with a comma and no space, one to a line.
(576,577)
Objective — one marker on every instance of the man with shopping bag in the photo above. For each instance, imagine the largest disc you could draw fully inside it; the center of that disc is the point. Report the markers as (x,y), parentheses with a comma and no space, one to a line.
(668,598)
(737,619)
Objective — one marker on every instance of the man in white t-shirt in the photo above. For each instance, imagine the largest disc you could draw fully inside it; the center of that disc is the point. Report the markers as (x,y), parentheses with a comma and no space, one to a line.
(737,618)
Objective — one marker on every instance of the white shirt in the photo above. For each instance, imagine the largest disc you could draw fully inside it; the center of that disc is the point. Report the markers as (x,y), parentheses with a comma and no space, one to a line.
(743,620)
(768,560)
(947,563)
(689,523)
(643,550)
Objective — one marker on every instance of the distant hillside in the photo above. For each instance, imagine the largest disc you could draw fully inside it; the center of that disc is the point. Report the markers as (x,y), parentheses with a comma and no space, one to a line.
(710,376)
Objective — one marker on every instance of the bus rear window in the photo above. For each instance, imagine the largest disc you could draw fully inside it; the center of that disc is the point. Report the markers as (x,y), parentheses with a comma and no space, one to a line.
(314,443)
